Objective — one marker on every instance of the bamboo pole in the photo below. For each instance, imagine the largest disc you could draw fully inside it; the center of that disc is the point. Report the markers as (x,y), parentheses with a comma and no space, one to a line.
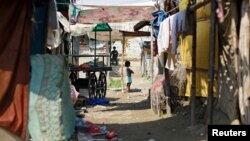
(95,51)
(193,87)
(198,5)
(122,64)
(152,55)
(211,64)
(110,46)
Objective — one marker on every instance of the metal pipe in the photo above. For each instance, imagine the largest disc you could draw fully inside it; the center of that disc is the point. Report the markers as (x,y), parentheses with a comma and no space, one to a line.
(211,64)
(193,86)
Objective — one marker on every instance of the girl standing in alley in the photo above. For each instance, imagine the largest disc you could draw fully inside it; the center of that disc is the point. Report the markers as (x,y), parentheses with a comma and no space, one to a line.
(129,73)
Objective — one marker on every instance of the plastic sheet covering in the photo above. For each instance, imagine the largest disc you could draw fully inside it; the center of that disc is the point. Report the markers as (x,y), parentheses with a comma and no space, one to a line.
(114,15)
(117,3)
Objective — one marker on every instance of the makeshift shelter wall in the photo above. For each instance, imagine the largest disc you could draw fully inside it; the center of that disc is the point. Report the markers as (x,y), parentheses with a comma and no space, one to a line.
(202,52)
(202,12)
(244,64)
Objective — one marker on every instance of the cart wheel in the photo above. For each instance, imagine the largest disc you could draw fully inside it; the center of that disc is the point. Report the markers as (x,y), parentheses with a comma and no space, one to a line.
(92,86)
(102,85)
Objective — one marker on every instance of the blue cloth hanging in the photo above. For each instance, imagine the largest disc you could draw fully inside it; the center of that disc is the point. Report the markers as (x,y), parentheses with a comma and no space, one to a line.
(159,17)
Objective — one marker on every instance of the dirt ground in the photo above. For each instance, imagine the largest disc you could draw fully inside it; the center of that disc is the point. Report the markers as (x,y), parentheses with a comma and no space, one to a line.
(131,117)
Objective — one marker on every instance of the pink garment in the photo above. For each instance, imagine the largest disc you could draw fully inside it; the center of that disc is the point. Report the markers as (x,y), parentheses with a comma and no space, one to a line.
(74,93)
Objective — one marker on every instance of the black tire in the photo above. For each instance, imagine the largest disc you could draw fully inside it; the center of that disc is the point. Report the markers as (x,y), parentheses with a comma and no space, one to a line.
(102,85)
(92,86)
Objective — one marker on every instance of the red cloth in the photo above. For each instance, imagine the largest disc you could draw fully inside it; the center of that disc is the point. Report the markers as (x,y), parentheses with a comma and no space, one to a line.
(155,48)
(15,31)
(158,84)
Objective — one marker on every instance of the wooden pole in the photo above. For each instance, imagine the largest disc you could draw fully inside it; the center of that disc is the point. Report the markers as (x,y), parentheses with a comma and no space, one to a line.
(152,55)
(196,6)
(211,64)
(122,64)
(95,51)
(110,46)
(193,93)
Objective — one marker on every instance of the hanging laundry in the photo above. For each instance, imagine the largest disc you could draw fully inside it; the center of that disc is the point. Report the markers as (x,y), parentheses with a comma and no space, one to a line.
(181,25)
(159,17)
(53,19)
(164,37)
(51,112)
(15,30)
(171,61)
(53,35)
(53,38)
(165,33)
(73,14)
(38,30)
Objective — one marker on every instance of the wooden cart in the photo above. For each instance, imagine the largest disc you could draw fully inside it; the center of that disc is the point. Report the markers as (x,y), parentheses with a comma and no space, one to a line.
(97,86)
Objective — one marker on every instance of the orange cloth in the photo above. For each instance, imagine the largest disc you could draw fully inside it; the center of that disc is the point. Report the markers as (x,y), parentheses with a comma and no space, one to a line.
(15,31)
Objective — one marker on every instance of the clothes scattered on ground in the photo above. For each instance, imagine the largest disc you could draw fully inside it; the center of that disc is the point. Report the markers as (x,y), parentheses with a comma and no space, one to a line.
(86,130)
(97,101)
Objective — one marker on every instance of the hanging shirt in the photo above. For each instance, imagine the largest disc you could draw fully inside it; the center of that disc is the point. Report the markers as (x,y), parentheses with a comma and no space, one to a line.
(181,25)
(164,34)
(164,38)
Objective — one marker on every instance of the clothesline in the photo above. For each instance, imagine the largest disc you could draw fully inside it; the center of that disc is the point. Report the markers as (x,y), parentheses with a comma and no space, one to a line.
(192,7)
(198,5)
(172,9)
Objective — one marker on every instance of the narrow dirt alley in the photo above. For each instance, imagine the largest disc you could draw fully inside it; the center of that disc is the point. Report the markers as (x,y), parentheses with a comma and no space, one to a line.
(131,117)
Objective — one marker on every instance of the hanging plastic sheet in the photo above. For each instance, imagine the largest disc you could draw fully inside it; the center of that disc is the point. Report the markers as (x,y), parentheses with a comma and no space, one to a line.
(115,15)
(117,3)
